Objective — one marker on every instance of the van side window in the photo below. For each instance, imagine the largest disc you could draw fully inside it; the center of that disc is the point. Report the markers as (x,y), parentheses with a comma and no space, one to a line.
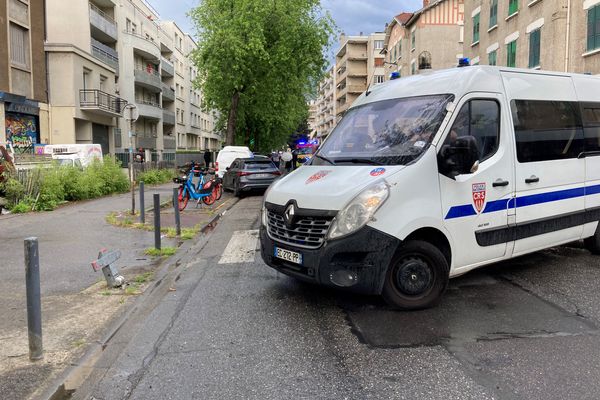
(480,119)
(547,130)
(591,123)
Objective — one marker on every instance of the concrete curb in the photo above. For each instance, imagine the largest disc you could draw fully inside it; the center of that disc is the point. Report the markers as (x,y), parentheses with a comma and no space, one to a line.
(73,377)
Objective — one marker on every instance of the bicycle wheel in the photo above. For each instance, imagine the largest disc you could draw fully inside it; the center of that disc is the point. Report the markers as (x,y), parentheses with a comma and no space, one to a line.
(219,190)
(210,199)
(183,198)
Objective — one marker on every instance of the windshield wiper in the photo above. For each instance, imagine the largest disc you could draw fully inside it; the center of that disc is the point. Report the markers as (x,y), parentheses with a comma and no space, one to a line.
(325,159)
(359,161)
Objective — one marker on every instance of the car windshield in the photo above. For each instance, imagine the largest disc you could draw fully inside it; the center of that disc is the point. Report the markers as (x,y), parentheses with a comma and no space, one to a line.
(388,132)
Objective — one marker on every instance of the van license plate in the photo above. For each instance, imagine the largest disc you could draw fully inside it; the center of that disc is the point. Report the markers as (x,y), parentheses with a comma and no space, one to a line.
(287,255)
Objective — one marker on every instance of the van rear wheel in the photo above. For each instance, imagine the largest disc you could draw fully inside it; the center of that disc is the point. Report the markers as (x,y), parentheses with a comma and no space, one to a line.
(417,276)
(593,243)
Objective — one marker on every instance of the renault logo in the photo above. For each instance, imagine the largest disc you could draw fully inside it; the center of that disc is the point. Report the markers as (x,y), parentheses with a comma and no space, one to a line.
(289,214)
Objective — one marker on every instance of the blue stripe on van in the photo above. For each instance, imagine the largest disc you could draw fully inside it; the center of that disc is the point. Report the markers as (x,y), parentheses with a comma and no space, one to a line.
(524,201)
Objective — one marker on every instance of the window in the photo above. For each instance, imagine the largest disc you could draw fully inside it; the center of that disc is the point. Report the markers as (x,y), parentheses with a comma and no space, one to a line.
(593,28)
(547,130)
(476,28)
(19,45)
(413,68)
(493,13)
(378,44)
(379,79)
(513,7)
(511,54)
(399,45)
(591,122)
(481,119)
(86,78)
(534,48)
(492,57)
(103,83)
(413,39)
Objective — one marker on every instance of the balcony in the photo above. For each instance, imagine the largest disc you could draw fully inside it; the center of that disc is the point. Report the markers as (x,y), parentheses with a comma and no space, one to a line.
(149,109)
(148,49)
(98,102)
(168,93)
(356,88)
(148,78)
(169,143)
(166,67)
(105,54)
(102,25)
(145,140)
(168,117)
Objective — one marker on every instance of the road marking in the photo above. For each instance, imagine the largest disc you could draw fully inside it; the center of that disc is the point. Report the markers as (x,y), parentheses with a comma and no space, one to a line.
(241,247)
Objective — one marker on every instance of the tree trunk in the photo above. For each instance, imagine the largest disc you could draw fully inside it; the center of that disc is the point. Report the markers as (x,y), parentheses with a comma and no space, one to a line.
(232,120)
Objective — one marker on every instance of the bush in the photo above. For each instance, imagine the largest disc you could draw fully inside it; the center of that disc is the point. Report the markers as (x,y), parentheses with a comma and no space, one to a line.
(46,188)
(156,176)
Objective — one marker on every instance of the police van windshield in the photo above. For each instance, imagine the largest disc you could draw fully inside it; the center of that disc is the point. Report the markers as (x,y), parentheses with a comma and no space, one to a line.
(389,132)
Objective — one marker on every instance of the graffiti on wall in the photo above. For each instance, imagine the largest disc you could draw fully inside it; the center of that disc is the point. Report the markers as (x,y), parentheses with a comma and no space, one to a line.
(21,130)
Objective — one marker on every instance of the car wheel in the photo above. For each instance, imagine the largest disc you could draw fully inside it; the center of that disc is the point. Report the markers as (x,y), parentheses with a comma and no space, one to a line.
(417,276)
(593,243)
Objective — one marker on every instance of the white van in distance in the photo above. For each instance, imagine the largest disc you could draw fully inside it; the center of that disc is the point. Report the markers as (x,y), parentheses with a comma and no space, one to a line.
(74,155)
(227,155)
(430,176)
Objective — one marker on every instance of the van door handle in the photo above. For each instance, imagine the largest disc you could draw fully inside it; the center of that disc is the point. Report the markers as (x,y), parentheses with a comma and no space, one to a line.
(500,182)
(532,179)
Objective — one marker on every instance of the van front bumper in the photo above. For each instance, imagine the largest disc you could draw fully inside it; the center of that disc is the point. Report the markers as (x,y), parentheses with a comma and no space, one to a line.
(357,262)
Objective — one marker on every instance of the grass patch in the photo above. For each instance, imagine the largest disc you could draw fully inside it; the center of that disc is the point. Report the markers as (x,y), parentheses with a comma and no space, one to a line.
(105,293)
(164,252)
(156,176)
(78,343)
(133,289)
(143,278)
(189,233)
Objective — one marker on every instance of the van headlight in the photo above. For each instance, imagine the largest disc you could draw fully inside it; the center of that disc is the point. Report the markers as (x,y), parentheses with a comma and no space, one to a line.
(359,211)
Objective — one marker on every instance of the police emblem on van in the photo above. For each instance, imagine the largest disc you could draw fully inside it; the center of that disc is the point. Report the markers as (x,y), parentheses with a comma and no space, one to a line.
(478,196)
(316,176)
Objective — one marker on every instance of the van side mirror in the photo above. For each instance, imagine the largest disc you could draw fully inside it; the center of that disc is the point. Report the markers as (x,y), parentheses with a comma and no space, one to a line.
(459,157)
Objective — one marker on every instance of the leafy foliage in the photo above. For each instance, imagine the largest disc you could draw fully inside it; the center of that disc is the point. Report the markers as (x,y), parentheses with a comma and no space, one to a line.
(156,176)
(259,61)
(46,188)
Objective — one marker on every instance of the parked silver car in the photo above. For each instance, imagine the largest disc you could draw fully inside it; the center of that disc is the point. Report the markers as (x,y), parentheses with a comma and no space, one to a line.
(246,174)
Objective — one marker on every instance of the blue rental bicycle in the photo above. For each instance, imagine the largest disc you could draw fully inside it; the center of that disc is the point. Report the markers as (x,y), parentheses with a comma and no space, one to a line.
(202,190)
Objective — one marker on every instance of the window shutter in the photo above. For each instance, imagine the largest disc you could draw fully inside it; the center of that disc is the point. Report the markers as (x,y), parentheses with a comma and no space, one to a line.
(590,28)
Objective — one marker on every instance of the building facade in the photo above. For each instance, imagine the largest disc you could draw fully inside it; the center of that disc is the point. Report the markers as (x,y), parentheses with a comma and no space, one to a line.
(120,55)
(430,38)
(557,35)
(326,104)
(359,64)
(23,95)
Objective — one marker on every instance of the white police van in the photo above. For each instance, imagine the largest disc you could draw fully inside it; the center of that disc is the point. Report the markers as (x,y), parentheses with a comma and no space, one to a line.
(430,176)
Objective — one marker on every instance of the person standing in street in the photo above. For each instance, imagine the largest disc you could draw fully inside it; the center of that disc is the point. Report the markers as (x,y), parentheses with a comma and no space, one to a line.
(207,159)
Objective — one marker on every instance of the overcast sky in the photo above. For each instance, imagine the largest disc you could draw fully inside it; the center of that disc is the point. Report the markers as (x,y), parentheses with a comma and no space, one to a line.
(351,16)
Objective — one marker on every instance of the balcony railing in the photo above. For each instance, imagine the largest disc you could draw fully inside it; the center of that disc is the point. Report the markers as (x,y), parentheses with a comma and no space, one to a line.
(148,77)
(105,54)
(97,100)
(103,22)
(168,92)
(169,142)
(168,117)
(167,67)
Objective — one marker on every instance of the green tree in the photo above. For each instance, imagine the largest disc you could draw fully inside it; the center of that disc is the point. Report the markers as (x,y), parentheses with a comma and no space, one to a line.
(258,62)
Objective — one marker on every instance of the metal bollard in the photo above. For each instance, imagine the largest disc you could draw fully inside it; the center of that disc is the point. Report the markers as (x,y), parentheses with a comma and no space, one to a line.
(34,304)
(157,221)
(142,204)
(176,208)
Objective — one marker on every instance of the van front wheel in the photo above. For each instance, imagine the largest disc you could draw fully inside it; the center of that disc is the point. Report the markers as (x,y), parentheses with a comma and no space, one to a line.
(417,276)
(593,243)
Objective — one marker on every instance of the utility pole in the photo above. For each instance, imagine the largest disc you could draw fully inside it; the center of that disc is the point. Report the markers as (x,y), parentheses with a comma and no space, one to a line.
(131,115)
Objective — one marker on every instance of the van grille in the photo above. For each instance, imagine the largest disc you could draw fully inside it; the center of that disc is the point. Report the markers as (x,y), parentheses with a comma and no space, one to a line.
(307,232)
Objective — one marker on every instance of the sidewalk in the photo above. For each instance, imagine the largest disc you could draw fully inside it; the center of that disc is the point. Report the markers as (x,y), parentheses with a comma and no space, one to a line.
(76,305)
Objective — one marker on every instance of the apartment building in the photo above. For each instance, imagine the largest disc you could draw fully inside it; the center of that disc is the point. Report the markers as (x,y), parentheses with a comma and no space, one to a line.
(558,35)
(312,117)
(23,96)
(359,64)
(430,38)
(120,55)
(326,104)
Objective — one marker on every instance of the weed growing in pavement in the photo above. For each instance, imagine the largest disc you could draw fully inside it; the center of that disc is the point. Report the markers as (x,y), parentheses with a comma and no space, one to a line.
(189,233)
(164,252)
(133,289)
(105,293)
(78,343)
(143,278)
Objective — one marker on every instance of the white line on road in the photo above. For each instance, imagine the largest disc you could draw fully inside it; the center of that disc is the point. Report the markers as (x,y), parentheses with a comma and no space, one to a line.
(241,247)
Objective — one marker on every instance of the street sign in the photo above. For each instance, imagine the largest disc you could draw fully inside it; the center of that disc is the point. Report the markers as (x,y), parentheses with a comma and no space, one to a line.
(106,261)
(131,112)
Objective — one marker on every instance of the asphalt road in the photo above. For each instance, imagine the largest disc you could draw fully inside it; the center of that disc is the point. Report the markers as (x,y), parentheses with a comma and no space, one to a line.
(524,329)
